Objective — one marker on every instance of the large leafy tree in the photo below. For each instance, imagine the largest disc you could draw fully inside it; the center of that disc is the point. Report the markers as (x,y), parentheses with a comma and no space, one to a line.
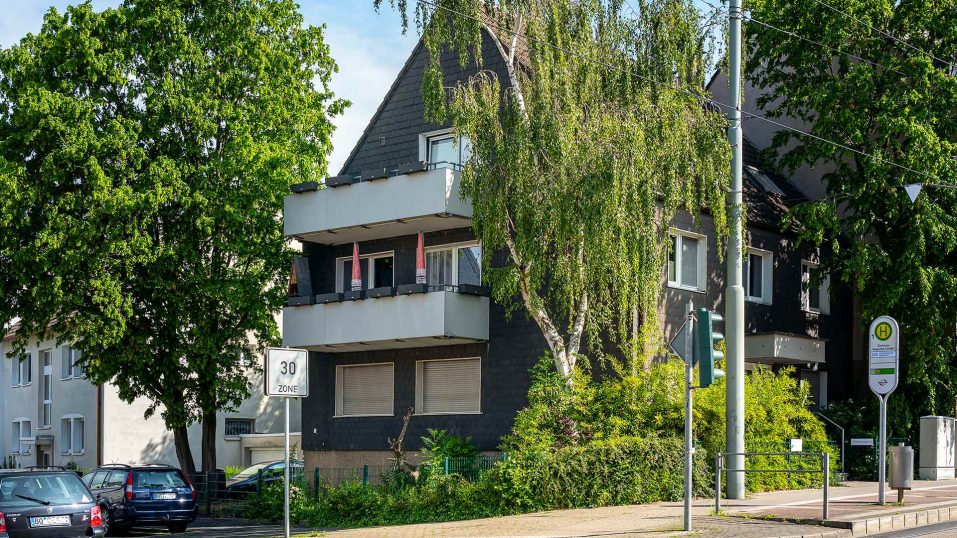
(584,148)
(881,83)
(146,151)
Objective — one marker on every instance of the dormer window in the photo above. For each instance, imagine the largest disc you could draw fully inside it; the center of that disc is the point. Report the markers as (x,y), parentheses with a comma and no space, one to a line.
(443,150)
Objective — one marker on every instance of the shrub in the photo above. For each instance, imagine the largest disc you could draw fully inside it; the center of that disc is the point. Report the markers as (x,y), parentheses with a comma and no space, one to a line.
(232,470)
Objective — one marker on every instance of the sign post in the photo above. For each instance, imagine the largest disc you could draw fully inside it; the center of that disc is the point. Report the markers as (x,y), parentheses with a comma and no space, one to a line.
(681,345)
(286,376)
(883,372)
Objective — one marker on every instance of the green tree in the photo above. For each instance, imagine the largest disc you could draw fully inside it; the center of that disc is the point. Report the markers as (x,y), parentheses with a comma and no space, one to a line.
(146,151)
(579,159)
(893,103)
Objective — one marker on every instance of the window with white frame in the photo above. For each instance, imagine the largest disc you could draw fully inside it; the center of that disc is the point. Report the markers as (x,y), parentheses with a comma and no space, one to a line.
(23,370)
(71,435)
(688,261)
(70,366)
(758,273)
(46,388)
(377,271)
(452,265)
(239,426)
(448,386)
(23,436)
(815,290)
(443,150)
(365,390)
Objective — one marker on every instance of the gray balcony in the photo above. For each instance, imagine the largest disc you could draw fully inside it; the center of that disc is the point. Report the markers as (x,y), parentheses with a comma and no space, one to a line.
(436,318)
(399,205)
(781,348)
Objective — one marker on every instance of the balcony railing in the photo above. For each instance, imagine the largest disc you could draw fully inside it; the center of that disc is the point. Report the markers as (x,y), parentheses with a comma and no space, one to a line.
(377,205)
(408,316)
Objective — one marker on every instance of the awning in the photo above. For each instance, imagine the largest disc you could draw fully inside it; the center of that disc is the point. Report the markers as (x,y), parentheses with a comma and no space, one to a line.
(44,440)
(783,348)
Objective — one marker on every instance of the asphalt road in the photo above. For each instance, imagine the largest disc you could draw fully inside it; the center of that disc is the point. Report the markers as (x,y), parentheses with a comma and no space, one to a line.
(214,528)
(939,530)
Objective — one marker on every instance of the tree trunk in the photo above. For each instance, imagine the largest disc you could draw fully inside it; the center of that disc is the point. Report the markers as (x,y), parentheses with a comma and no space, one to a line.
(183,452)
(209,442)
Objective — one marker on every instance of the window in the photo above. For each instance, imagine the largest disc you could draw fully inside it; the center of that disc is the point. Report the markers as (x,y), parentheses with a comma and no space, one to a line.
(758,276)
(453,265)
(687,261)
(71,435)
(815,290)
(443,150)
(379,266)
(365,390)
(447,387)
(46,389)
(70,366)
(23,432)
(239,426)
(22,371)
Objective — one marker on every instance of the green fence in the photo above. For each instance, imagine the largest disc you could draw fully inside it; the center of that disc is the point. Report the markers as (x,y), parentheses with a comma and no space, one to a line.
(468,468)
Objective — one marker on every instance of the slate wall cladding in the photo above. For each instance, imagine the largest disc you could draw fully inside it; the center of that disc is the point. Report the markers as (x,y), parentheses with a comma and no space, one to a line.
(392,136)
(785,313)
(513,348)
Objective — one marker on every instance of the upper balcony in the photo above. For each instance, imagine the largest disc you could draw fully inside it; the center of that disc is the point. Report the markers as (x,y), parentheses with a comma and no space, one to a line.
(382,319)
(377,205)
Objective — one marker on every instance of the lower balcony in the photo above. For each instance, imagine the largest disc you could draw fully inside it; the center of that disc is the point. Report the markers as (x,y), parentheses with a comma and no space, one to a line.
(782,349)
(436,318)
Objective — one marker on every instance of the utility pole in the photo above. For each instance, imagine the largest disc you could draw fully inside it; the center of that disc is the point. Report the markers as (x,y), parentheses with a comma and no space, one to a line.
(734,293)
(689,441)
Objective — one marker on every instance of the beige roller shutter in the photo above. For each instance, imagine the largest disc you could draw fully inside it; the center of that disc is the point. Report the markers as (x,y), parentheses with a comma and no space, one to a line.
(449,386)
(365,389)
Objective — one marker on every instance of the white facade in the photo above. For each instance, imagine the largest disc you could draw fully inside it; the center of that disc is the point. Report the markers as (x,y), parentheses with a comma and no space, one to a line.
(66,419)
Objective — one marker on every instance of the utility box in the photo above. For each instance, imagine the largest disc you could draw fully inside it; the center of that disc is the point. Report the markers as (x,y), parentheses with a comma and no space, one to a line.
(937,450)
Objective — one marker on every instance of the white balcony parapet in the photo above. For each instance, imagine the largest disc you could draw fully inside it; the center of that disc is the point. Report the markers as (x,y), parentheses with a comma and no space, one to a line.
(399,205)
(426,319)
(781,348)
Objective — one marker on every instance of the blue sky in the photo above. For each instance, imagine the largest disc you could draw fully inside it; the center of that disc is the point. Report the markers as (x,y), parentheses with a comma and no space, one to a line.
(368,46)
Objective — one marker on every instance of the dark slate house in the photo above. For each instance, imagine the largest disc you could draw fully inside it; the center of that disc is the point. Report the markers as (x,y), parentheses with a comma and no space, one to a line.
(444,351)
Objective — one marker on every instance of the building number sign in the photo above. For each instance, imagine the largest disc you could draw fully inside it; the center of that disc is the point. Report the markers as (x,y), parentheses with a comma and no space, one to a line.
(287,372)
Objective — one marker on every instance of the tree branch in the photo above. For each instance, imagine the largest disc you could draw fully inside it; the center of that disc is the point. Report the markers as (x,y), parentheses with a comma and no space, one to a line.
(509,64)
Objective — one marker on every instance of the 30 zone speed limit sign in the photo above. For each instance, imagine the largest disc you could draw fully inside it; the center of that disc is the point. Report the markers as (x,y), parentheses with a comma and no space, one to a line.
(287,372)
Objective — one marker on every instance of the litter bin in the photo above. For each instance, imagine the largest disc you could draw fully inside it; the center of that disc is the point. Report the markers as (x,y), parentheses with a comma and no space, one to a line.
(902,469)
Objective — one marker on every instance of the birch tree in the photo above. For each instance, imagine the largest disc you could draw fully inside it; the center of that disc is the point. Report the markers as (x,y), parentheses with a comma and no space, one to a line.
(582,153)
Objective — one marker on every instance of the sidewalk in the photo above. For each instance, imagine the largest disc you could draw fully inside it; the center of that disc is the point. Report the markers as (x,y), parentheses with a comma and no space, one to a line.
(854,506)
(853,512)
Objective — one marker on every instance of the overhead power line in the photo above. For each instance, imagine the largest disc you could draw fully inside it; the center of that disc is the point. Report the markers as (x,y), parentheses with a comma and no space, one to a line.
(690,93)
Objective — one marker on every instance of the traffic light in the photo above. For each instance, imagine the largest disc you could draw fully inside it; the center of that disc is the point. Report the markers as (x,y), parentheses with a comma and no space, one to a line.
(706,354)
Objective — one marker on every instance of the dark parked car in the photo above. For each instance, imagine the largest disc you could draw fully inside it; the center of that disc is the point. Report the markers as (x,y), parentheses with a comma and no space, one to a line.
(46,503)
(143,495)
(248,480)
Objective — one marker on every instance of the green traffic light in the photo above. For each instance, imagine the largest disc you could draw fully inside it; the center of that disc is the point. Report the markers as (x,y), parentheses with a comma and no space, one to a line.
(705,339)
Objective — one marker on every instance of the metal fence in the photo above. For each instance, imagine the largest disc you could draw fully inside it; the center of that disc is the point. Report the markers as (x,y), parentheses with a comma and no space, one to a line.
(214,498)
(822,458)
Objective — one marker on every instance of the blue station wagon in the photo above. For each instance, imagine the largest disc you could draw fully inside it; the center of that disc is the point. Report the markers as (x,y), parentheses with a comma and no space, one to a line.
(143,495)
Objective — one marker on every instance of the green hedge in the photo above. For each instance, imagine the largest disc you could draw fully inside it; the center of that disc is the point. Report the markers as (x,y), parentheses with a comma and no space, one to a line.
(625,470)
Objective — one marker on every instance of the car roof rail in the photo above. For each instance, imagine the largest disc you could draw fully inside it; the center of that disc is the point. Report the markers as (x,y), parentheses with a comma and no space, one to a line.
(120,465)
(39,467)
(158,465)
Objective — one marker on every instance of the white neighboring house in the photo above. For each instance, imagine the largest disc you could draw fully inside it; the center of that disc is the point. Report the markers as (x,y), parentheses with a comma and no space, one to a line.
(52,415)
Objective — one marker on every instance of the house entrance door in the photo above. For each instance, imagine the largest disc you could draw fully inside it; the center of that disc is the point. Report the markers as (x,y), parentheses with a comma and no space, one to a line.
(44,455)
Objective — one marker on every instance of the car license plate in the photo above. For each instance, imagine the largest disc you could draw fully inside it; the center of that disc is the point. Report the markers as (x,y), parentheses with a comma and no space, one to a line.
(50,521)
(164,496)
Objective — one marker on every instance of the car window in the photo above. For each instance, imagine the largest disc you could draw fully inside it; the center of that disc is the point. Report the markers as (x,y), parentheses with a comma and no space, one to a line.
(250,472)
(33,490)
(97,481)
(159,478)
(116,479)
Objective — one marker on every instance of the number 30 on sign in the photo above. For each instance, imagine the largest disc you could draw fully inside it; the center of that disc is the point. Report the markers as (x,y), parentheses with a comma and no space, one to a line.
(287,372)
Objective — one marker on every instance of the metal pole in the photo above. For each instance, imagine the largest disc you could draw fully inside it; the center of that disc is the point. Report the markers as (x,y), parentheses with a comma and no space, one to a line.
(285,473)
(882,454)
(689,447)
(734,294)
(827,480)
(717,484)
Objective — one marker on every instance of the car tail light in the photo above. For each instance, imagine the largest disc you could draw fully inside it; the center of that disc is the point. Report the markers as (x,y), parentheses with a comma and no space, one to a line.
(3,522)
(189,483)
(129,486)
(96,517)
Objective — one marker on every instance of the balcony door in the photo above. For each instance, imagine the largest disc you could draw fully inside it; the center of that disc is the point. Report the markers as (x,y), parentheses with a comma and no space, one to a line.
(46,389)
